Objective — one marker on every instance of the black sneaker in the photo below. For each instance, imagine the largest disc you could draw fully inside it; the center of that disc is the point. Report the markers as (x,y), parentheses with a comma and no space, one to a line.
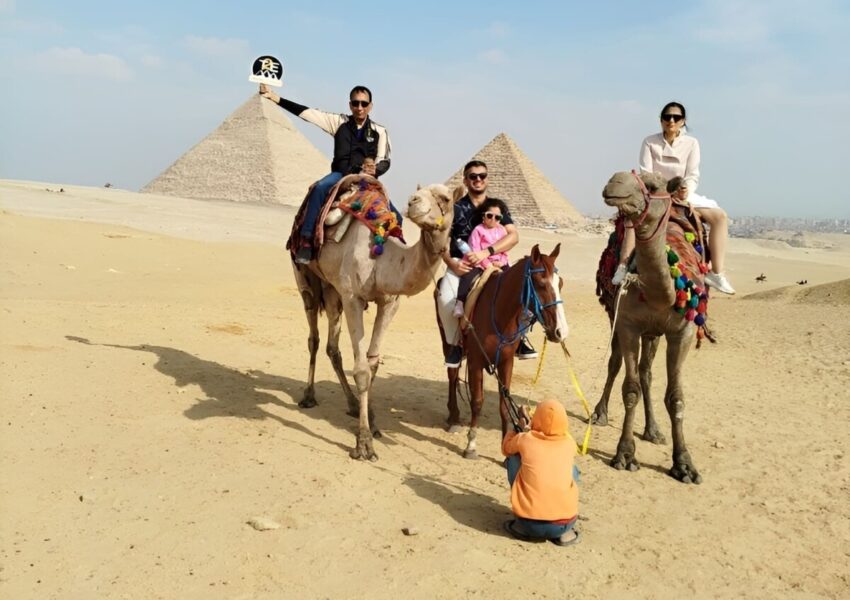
(304,254)
(525,350)
(454,357)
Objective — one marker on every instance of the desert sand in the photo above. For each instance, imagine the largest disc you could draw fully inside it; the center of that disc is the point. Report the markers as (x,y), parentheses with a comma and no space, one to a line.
(153,352)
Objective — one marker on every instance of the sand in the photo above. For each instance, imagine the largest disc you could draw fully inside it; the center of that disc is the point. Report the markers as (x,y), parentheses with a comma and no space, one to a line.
(153,351)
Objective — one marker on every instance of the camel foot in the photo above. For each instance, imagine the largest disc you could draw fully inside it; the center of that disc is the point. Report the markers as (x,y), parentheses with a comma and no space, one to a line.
(454,427)
(653,435)
(625,462)
(470,454)
(364,450)
(685,472)
(599,418)
(309,400)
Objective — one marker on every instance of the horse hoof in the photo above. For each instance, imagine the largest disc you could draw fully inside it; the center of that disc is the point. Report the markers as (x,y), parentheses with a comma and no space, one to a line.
(600,419)
(377,434)
(308,402)
(454,428)
(470,454)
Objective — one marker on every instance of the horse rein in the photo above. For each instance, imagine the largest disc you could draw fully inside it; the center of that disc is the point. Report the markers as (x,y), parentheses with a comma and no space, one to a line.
(648,197)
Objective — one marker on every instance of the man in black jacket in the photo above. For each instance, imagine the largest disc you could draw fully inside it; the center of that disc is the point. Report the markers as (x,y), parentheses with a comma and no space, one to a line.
(356,138)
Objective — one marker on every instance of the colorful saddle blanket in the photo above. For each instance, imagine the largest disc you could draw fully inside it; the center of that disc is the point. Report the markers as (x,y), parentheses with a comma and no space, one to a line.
(363,197)
(686,256)
(369,204)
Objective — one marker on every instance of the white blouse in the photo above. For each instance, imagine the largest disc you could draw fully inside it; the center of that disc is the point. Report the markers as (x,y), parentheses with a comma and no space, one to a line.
(679,159)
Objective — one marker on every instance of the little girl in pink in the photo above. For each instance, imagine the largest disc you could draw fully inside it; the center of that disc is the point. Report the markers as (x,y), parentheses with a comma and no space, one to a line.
(483,237)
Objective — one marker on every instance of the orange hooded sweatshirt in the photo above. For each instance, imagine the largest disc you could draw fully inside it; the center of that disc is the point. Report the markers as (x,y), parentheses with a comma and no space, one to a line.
(544,488)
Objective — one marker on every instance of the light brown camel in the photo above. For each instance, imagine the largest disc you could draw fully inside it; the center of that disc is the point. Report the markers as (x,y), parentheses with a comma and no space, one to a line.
(345,279)
(646,310)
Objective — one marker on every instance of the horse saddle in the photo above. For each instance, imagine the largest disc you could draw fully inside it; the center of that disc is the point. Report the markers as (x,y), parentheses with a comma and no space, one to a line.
(475,292)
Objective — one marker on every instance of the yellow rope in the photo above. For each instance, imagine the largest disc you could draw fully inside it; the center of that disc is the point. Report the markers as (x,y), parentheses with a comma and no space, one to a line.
(582,449)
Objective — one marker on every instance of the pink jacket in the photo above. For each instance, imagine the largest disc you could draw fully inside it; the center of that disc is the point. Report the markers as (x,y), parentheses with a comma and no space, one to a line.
(481,237)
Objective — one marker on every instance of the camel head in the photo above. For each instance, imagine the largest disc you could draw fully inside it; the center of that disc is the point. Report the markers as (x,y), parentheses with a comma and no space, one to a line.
(624,192)
(432,207)
(547,285)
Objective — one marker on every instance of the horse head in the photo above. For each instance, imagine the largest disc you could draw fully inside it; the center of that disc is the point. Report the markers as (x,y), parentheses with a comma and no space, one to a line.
(547,283)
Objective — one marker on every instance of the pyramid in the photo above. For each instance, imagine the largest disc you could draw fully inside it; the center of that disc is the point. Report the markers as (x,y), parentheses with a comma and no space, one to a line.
(255,155)
(532,198)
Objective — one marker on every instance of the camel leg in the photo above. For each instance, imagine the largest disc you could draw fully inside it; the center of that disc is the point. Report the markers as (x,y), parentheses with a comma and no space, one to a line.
(383,318)
(648,348)
(630,347)
(476,401)
(311,309)
(353,309)
(333,308)
(600,413)
(677,350)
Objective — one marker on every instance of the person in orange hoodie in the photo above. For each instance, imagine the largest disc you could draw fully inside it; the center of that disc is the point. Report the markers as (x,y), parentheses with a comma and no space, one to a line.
(543,477)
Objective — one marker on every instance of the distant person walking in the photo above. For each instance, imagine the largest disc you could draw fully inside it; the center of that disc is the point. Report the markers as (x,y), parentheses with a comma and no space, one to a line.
(674,153)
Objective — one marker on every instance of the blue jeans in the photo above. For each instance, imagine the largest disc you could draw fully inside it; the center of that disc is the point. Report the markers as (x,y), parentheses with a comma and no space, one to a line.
(315,202)
(531,527)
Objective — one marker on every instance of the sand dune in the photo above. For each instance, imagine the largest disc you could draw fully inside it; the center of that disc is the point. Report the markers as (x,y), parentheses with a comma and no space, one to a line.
(153,353)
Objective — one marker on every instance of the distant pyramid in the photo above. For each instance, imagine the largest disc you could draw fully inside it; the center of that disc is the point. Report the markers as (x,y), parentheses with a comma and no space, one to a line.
(255,155)
(533,200)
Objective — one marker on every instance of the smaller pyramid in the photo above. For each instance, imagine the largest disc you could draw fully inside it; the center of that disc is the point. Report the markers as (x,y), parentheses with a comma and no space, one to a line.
(255,155)
(531,197)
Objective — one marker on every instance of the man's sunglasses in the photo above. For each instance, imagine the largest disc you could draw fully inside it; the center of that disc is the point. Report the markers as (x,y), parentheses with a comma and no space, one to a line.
(489,215)
(474,176)
(359,103)
(675,118)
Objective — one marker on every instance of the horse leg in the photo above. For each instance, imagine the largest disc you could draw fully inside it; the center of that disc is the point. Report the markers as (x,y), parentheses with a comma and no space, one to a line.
(630,347)
(333,308)
(648,348)
(475,375)
(506,371)
(677,350)
(600,413)
(453,422)
(353,309)
(386,312)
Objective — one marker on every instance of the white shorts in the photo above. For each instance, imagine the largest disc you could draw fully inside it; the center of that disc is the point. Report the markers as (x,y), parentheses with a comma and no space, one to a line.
(698,201)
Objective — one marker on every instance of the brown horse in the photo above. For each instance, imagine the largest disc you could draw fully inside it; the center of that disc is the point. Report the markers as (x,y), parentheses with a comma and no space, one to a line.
(532,284)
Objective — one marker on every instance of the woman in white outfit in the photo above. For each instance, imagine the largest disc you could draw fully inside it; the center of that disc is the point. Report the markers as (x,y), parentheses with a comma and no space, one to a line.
(674,153)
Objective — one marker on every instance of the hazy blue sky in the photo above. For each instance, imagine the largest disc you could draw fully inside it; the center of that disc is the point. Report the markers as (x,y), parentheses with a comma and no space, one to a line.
(97,91)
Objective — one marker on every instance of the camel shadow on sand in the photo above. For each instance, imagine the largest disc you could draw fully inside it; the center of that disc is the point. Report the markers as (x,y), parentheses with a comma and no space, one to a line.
(233,393)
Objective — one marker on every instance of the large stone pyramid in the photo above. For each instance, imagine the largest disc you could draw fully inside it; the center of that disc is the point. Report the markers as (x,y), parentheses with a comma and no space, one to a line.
(533,200)
(255,155)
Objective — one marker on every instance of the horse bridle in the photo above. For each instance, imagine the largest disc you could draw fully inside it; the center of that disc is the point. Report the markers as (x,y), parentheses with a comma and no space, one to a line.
(648,197)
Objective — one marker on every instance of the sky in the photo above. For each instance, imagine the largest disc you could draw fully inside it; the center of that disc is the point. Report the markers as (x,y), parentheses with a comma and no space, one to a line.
(103,91)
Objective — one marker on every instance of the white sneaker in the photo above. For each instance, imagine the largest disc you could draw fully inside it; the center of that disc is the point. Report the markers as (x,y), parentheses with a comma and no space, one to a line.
(619,274)
(719,282)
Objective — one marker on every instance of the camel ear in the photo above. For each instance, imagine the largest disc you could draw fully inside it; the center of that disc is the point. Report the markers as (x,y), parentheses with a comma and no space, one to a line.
(535,254)
(418,187)
(556,251)
(457,194)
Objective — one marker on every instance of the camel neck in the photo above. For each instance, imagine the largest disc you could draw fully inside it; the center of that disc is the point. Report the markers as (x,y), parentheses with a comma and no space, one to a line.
(653,269)
(407,270)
